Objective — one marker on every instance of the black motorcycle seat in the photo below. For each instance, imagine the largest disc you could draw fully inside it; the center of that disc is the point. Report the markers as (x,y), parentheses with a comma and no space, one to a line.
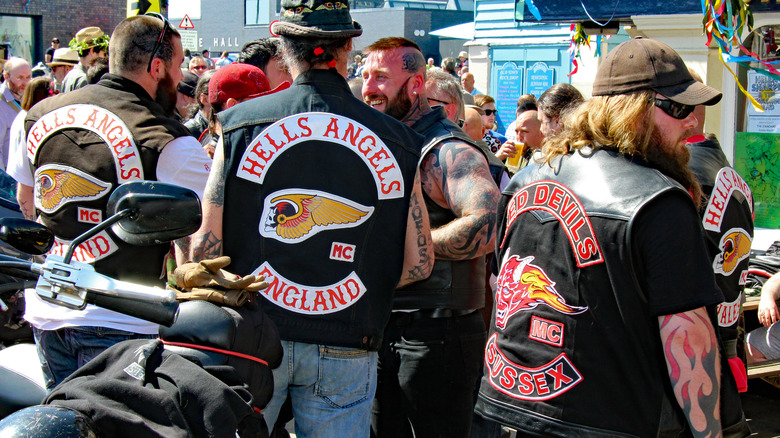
(22,379)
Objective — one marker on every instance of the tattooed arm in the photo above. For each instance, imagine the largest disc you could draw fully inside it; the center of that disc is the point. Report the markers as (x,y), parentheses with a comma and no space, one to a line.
(456,176)
(24,196)
(418,247)
(694,368)
(207,241)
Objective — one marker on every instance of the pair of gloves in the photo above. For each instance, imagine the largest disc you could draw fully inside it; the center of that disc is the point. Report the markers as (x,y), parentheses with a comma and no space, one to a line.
(206,280)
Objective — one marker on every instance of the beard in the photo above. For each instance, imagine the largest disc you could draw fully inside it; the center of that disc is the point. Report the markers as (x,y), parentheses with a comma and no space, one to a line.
(400,105)
(166,94)
(672,161)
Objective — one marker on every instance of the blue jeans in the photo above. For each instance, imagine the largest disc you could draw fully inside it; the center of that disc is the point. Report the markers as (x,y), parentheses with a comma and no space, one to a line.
(331,390)
(63,351)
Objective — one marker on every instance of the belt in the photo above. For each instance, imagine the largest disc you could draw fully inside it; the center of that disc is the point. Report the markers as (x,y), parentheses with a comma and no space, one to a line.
(439,313)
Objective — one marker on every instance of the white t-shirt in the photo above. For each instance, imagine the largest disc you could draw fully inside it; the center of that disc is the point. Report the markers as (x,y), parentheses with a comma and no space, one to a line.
(183,162)
(18,167)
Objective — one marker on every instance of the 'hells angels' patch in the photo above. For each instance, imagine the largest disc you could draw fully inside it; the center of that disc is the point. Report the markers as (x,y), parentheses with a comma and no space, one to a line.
(294,215)
(523,286)
(105,124)
(57,185)
(734,247)
(541,383)
(558,200)
(313,300)
(326,127)
(727,182)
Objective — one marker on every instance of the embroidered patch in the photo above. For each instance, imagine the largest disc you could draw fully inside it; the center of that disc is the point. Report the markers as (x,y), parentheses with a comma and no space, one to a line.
(522,286)
(331,128)
(342,251)
(560,201)
(294,215)
(89,215)
(57,185)
(546,331)
(727,182)
(728,313)
(95,248)
(313,300)
(542,383)
(135,371)
(105,124)
(734,247)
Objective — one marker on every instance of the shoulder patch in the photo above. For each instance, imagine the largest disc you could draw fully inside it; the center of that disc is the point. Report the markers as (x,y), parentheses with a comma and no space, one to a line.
(57,185)
(727,182)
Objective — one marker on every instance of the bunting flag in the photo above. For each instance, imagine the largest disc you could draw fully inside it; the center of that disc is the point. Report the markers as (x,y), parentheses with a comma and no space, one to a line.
(723,23)
(578,39)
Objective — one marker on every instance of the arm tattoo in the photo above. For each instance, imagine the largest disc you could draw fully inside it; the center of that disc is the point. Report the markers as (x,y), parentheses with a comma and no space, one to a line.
(419,271)
(692,360)
(28,210)
(206,246)
(468,189)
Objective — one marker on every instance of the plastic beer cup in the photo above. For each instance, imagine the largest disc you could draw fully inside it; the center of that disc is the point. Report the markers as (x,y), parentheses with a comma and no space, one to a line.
(513,163)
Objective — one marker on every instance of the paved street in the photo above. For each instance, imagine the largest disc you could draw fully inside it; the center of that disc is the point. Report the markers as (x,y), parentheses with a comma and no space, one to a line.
(762,409)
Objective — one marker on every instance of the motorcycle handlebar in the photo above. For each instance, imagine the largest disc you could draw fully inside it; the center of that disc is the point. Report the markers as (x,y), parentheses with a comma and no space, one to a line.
(158,313)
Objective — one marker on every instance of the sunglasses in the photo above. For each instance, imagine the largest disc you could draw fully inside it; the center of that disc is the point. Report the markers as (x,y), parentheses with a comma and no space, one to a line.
(199,67)
(442,102)
(166,26)
(674,109)
(490,112)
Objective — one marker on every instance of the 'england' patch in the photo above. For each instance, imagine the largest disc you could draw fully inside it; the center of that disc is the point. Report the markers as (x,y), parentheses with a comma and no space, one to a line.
(535,384)
(93,249)
(312,300)
(294,215)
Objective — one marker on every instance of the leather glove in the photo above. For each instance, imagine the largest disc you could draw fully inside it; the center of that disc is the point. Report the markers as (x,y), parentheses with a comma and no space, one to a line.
(234,298)
(209,273)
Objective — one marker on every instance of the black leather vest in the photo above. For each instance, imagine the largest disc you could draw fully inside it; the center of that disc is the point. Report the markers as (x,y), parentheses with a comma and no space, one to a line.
(727,217)
(316,199)
(453,284)
(568,299)
(84,144)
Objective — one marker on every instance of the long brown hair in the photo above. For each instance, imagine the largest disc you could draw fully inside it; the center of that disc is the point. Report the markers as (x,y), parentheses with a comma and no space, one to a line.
(621,122)
(37,90)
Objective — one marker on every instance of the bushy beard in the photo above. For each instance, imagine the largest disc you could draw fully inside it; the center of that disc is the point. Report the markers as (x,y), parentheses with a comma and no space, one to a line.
(400,106)
(166,94)
(672,161)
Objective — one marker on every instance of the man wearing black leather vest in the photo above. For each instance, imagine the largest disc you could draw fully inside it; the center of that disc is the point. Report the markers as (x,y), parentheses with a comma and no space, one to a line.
(600,326)
(430,360)
(727,218)
(318,193)
(84,144)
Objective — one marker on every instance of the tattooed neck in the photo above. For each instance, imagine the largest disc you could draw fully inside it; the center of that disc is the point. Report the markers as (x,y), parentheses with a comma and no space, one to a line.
(418,110)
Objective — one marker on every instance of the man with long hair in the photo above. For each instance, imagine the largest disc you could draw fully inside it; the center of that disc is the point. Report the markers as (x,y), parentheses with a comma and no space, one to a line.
(600,326)
(320,195)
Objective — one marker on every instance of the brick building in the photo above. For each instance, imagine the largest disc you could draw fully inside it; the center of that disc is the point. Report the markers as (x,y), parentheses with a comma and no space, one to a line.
(27,26)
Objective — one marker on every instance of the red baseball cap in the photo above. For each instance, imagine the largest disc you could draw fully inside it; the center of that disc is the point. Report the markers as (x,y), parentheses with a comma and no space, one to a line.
(241,82)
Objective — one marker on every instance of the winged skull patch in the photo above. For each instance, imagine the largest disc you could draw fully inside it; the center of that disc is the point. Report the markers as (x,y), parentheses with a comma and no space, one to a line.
(294,215)
(57,185)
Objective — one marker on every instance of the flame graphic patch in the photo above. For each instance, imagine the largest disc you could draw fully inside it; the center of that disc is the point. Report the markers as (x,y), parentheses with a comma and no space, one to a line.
(523,286)
(294,215)
(734,247)
(57,185)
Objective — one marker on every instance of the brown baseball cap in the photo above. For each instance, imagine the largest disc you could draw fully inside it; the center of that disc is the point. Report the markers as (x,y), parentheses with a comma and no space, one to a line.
(645,64)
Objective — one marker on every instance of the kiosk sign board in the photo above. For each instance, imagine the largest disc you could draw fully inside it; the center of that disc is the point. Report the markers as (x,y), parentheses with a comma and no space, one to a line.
(509,79)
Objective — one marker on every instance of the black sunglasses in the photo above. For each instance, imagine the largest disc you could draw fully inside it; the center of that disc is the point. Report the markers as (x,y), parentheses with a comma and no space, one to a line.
(490,112)
(166,26)
(674,109)
(437,100)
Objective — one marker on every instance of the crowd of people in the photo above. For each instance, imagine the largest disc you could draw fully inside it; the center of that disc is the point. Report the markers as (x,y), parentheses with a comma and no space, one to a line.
(428,275)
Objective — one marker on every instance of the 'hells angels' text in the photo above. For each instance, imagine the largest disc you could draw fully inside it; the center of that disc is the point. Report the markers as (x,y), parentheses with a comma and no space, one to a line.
(326,127)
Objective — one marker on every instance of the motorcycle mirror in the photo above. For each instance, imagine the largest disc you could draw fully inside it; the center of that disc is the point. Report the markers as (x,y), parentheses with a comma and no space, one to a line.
(161,212)
(26,235)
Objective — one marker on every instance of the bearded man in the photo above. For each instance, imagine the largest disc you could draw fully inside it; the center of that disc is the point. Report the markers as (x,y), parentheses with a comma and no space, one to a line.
(16,75)
(74,137)
(600,326)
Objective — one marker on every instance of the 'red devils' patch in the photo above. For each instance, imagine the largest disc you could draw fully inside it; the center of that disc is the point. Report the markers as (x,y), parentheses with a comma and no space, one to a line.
(558,200)
(536,384)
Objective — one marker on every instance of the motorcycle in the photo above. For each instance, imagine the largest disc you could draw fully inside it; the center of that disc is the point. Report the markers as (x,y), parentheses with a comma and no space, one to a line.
(206,338)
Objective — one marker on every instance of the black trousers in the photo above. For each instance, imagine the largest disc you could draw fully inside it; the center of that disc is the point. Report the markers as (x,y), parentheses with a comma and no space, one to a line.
(428,368)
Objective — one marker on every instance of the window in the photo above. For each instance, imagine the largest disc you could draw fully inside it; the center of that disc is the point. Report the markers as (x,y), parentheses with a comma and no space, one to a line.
(17,37)
(258,12)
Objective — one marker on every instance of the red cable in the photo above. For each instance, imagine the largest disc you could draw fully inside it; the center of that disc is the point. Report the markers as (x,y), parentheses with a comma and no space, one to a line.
(216,350)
